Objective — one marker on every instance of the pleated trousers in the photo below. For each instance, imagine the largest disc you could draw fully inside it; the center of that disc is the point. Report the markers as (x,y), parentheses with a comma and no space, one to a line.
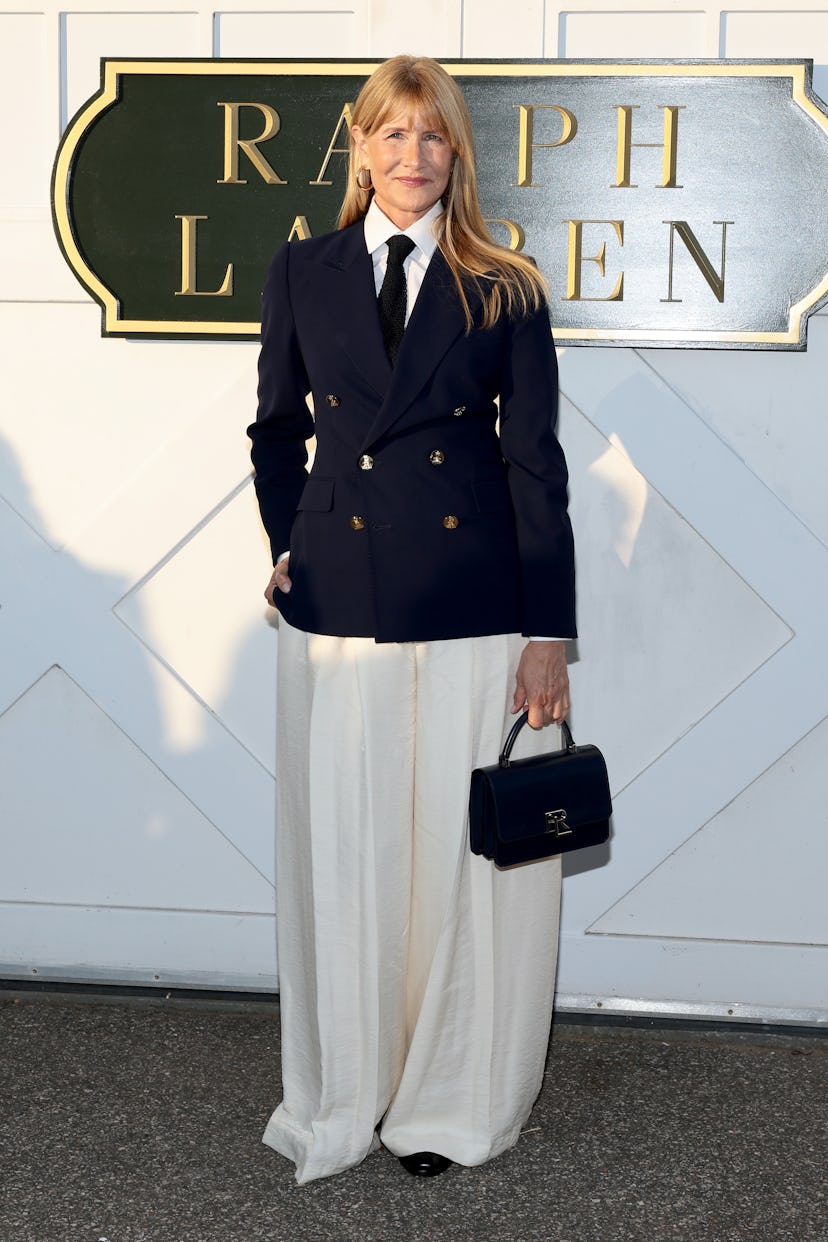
(416,979)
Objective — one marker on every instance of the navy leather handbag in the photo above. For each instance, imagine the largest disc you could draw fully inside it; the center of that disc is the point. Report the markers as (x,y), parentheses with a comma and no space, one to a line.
(521,810)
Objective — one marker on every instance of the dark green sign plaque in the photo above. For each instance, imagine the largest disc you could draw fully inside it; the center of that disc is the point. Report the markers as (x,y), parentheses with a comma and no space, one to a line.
(674,204)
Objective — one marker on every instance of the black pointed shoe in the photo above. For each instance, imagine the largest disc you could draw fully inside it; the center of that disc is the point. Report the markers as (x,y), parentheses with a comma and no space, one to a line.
(425,1163)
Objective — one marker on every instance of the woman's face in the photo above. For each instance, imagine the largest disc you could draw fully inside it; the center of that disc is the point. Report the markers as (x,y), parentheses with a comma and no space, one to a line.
(410,166)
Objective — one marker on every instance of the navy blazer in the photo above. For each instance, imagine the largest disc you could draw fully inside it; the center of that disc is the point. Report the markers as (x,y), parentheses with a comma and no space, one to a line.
(417,521)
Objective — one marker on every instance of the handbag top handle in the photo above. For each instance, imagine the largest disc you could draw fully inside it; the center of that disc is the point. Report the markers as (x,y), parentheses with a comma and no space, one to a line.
(569,742)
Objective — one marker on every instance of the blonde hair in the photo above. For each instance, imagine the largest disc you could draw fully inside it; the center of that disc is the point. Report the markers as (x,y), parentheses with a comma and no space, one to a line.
(507,283)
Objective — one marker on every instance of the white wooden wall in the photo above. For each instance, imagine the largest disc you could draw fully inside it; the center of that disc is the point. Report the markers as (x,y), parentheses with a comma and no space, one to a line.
(137,660)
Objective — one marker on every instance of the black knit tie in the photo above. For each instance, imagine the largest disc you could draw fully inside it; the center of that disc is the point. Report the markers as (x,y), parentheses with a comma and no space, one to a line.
(393,295)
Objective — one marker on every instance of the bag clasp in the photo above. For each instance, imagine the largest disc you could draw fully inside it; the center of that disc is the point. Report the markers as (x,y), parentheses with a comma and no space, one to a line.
(556,822)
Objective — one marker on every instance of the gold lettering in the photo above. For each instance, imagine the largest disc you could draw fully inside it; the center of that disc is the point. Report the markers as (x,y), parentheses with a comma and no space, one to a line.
(301,228)
(669,147)
(189,226)
(233,144)
(346,119)
(716,280)
(517,237)
(576,259)
(526,131)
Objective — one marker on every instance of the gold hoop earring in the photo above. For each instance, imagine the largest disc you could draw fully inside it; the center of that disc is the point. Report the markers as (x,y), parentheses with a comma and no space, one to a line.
(361,175)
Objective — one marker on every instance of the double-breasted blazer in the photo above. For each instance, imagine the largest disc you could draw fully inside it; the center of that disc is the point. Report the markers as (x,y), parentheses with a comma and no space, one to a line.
(417,520)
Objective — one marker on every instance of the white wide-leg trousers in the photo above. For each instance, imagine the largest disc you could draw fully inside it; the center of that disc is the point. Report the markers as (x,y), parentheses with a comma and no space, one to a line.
(416,978)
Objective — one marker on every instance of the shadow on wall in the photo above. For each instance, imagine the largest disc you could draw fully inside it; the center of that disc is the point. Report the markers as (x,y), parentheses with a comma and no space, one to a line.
(669,627)
(609,500)
(102,811)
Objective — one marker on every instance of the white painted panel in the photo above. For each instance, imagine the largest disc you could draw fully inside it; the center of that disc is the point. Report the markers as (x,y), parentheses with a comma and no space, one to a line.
(206,623)
(603,32)
(704,480)
(89,36)
(189,948)
(494,29)
(705,978)
(103,825)
(32,268)
(763,406)
(785,31)
(112,408)
(751,869)
(31,265)
(330,31)
(54,609)
(703,770)
(23,103)
(662,618)
(697,500)
(428,28)
(24,559)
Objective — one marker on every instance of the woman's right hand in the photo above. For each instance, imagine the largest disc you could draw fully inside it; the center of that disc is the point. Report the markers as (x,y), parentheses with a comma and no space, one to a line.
(279,581)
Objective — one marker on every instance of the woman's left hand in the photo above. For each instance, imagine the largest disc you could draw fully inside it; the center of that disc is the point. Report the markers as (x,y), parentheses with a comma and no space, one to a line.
(542,683)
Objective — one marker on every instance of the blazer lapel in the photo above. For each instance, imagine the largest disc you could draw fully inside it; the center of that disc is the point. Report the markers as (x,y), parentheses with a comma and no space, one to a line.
(353,307)
(435,324)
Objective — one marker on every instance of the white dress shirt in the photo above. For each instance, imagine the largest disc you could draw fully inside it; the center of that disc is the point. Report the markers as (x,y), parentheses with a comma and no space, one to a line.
(378,229)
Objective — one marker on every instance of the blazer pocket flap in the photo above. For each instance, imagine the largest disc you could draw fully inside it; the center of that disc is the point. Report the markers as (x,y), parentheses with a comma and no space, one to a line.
(492,495)
(317,495)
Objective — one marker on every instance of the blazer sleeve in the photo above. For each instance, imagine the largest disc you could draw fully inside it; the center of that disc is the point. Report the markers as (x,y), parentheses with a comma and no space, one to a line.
(537,475)
(283,422)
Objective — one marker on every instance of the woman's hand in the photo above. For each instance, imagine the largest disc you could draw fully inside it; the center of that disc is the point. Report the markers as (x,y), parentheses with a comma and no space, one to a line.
(279,581)
(542,683)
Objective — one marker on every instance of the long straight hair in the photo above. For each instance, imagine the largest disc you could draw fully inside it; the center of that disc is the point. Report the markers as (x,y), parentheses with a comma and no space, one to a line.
(507,283)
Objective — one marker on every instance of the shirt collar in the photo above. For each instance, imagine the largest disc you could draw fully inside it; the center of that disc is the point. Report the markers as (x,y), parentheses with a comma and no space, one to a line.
(378,229)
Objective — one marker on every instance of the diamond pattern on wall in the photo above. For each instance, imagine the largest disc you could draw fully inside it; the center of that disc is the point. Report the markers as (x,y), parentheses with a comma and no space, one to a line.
(194,612)
(748,868)
(710,765)
(762,405)
(103,826)
(662,618)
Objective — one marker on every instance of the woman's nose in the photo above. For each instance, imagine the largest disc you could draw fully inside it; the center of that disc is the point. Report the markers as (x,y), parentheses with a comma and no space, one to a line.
(413,152)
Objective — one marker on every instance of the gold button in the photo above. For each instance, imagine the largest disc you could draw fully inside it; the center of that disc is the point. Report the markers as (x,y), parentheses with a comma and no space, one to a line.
(451,522)
(461,409)
(436,457)
(366,462)
(332,400)
(357,523)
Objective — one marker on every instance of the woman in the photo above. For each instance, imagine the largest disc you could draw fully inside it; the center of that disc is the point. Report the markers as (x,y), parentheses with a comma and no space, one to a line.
(416,978)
